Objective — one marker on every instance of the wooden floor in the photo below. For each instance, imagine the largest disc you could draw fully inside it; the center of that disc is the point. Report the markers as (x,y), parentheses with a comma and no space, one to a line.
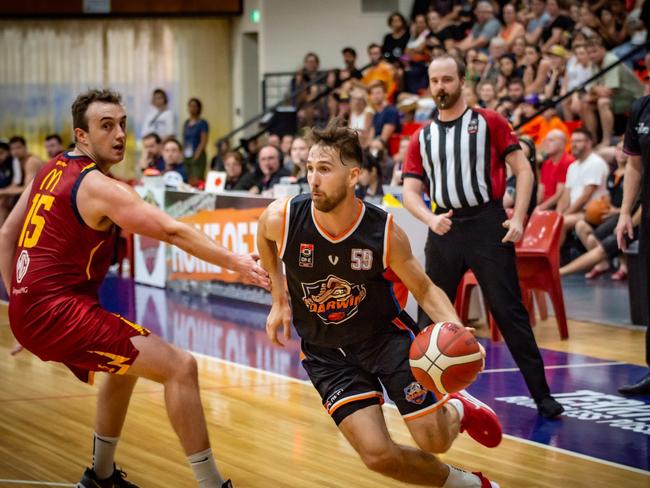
(267,431)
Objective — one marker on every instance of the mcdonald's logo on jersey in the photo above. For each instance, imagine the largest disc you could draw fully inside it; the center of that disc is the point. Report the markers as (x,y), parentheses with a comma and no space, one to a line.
(333,299)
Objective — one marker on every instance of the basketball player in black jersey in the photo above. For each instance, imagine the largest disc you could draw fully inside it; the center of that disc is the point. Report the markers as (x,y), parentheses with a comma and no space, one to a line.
(338,252)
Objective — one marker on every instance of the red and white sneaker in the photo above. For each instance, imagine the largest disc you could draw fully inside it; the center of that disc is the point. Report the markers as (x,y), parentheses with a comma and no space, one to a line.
(479,420)
(485,483)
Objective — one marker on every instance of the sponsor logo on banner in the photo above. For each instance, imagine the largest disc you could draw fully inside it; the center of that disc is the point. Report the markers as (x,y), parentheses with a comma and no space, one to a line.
(333,299)
(306,256)
(415,393)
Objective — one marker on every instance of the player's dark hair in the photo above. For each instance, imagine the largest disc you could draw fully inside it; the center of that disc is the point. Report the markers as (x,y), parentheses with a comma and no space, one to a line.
(586,132)
(83,101)
(341,138)
(349,50)
(173,140)
(160,91)
(154,136)
(18,139)
(54,136)
(198,104)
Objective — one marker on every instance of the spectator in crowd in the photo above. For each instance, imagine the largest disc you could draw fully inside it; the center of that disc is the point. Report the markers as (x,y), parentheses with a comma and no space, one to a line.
(361,114)
(6,165)
(508,71)
(638,36)
(24,167)
(172,153)
(370,180)
(497,48)
(560,24)
(538,126)
(578,70)
(251,149)
(557,57)
(160,118)
(554,168)
(53,145)
(285,147)
(611,94)
(585,180)
(537,19)
(441,31)
(519,52)
(512,28)
(597,231)
(396,179)
(223,147)
(273,140)
(487,95)
(477,63)
(516,91)
(396,40)
(151,156)
(386,120)
(237,176)
(379,70)
(195,138)
(510,195)
(299,153)
(310,111)
(537,70)
(270,170)
(350,63)
(378,151)
(485,28)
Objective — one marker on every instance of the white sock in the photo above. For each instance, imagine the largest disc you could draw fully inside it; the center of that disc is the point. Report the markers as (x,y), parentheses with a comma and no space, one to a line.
(461,479)
(205,469)
(458,405)
(103,455)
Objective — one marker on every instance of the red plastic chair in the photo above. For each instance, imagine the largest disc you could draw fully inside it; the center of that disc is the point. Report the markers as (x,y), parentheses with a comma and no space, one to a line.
(463,296)
(538,262)
(409,128)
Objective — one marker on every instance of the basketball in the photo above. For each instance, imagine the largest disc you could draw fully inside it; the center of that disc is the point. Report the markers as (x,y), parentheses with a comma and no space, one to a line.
(445,358)
(595,209)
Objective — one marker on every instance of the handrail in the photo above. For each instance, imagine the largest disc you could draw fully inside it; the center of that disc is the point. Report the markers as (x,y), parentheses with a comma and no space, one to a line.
(546,104)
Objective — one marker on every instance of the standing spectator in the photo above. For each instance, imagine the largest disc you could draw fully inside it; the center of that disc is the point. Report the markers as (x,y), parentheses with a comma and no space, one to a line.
(223,146)
(6,165)
(361,114)
(160,119)
(270,170)
(554,168)
(469,227)
(611,94)
(379,70)
(386,121)
(237,176)
(151,156)
(512,28)
(195,138)
(585,180)
(53,145)
(485,28)
(637,179)
(172,153)
(396,40)
(309,82)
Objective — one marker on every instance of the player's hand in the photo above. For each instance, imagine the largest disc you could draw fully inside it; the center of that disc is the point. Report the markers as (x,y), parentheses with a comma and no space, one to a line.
(251,272)
(515,230)
(441,224)
(623,228)
(279,316)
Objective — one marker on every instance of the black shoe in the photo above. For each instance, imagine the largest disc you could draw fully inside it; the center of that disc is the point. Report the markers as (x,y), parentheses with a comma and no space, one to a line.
(227,484)
(116,480)
(549,407)
(641,387)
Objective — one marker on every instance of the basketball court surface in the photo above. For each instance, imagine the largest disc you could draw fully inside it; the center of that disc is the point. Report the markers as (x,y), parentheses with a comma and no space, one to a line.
(268,428)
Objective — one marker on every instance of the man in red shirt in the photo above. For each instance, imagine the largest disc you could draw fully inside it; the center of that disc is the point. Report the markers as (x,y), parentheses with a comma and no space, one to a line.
(55,249)
(554,168)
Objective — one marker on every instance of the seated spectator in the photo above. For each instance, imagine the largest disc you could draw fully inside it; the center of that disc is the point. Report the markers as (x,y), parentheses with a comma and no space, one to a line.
(578,70)
(507,71)
(485,28)
(270,170)
(518,50)
(512,29)
(487,95)
(611,94)
(476,67)
(361,114)
(396,40)
(6,174)
(537,126)
(309,83)
(585,180)
(285,147)
(445,32)
(560,24)
(385,121)
(237,177)
(537,70)
(299,153)
(379,70)
(638,36)
(24,167)
(378,152)
(396,179)
(160,118)
(516,91)
(195,138)
(223,146)
(53,145)
(151,156)
(509,197)
(604,224)
(557,57)
(537,18)
(495,51)
(370,180)
(172,153)
(350,63)
(554,168)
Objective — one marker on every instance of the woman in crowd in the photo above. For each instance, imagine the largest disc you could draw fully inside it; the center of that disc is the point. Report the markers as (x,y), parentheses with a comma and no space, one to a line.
(160,119)
(195,138)
(172,153)
(237,177)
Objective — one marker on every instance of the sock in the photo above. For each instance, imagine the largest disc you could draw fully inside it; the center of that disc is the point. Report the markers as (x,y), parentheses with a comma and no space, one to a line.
(104,455)
(458,405)
(205,469)
(461,479)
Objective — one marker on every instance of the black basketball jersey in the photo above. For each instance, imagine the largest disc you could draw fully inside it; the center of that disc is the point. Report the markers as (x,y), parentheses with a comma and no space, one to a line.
(338,291)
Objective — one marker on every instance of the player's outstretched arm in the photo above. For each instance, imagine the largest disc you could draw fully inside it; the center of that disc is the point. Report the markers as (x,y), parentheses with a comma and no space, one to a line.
(432,299)
(9,237)
(270,230)
(102,200)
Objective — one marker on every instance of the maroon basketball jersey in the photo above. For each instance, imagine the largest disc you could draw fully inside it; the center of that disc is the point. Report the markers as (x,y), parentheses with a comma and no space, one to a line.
(57,253)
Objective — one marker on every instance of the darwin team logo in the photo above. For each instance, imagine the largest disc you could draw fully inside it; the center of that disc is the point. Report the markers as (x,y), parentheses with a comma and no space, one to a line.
(415,393)
(333,299)
(148,245)
(22,265)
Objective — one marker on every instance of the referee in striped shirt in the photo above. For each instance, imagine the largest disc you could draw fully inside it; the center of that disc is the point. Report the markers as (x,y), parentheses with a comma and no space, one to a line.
(462,154)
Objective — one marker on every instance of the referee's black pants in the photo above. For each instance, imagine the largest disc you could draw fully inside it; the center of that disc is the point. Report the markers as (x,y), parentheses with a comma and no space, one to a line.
(474,242)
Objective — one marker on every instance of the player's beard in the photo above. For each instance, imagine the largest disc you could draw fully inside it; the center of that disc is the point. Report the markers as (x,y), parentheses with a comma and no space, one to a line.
(445,101)
(327,203)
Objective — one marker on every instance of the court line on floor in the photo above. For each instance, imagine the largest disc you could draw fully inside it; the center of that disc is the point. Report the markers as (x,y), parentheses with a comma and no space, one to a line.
(557,366)
(511,437)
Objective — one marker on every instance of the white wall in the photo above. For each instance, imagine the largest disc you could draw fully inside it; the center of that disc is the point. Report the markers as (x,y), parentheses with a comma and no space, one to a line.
(289,29)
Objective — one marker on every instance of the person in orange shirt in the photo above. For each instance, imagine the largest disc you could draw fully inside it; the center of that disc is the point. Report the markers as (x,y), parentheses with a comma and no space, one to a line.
(538,126)
(380,70)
